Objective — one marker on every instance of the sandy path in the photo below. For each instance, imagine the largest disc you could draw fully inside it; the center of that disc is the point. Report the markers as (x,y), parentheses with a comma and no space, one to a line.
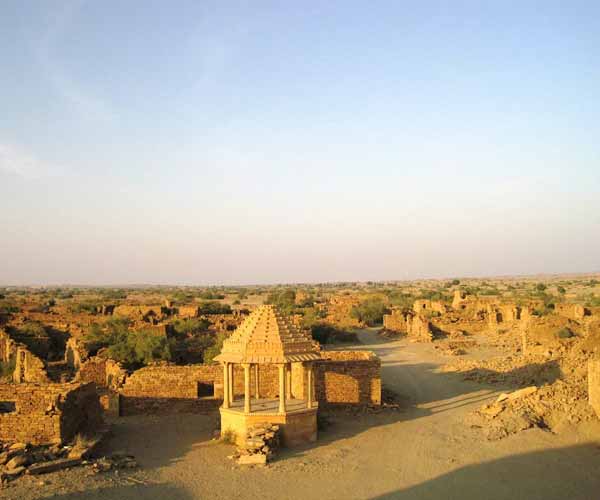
(425,451)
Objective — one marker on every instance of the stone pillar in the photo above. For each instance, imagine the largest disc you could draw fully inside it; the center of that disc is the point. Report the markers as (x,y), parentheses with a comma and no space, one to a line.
(288,380)
(594,384)
(247,394)
(256,382)
(230,386)
(226,399)
(309,386)
(282,388)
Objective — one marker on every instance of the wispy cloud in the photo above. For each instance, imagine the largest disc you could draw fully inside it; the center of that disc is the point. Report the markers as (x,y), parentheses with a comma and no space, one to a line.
(19,162)
(67,86)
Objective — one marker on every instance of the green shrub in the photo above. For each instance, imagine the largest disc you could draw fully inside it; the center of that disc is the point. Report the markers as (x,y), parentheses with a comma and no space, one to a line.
(7,307)
(564,333)
(114,331)
(211,295)
(329,334)
(212,307)
(132,348)
(370,312)
(7,368)
(214,349)
(88,306)
(284,300)
(191,326)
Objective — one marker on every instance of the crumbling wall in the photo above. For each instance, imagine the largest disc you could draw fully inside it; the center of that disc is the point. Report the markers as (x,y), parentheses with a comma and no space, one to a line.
(594,383)
(502,313)
(572,311)
(341,377)
(105,373)
(75,353)
(188,311)
(47,413)
(419,328)
(540,334)
(149,313)
(348,378)
(395,321)
(171,389)
(27,366)
(166,388)
(339,311)
(422,305)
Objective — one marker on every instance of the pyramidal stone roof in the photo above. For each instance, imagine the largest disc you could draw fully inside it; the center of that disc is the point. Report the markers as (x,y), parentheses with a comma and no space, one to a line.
(267,336)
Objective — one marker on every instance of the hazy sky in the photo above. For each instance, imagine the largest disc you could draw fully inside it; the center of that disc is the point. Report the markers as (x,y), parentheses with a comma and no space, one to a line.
(222,142)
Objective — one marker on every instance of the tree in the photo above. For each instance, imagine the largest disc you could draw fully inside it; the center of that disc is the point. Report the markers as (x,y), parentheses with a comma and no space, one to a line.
(284,300)
(213,307)
(540,287)
(215,349)
(370,311)
(561,290)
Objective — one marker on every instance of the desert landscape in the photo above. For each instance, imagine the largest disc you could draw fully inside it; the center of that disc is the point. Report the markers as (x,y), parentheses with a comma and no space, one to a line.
(299,250)
(470,384)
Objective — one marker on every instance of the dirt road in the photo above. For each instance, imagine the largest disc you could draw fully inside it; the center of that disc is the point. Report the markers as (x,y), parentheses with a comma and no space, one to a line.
(426,451)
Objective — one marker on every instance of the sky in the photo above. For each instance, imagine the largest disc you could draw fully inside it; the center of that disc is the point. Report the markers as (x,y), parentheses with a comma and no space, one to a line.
(204,143)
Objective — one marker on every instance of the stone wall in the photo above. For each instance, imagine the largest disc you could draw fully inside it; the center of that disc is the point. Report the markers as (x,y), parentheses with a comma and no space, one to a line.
(395,321)
(105,373)
(539,334)
(422,305)
(193,388)
(171,389)
(419,328)
(188,311)
(27,366)
(348,378)
(594,384)
(75,353)
(47,413)
(572,311)
(342,377)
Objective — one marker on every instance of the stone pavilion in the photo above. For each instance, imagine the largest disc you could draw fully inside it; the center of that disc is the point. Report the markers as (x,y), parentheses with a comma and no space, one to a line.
(267,337)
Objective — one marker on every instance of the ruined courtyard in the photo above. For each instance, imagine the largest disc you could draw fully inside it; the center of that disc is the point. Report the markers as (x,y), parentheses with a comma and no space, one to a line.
(448,395)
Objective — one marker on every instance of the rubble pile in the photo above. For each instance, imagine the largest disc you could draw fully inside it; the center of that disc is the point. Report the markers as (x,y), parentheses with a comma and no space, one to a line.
(262,442)
(546,407)
(22,458)
(553,382)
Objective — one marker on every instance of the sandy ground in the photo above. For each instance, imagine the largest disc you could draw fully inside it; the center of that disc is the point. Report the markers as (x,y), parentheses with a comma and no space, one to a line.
(427,450)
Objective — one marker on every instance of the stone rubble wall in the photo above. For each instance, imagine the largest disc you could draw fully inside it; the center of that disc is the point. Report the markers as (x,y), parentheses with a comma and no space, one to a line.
(348,378)
(75,353)
(188,311)
(28,367)
(423,305)
(594,384)
(395,321)
(575,312)
(341,378)
(170,389)
(419,328)
(105,373)
(47,413)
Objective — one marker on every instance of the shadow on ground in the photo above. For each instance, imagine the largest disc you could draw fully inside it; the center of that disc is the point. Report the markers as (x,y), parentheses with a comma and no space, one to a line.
(133,492)
(562,473)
